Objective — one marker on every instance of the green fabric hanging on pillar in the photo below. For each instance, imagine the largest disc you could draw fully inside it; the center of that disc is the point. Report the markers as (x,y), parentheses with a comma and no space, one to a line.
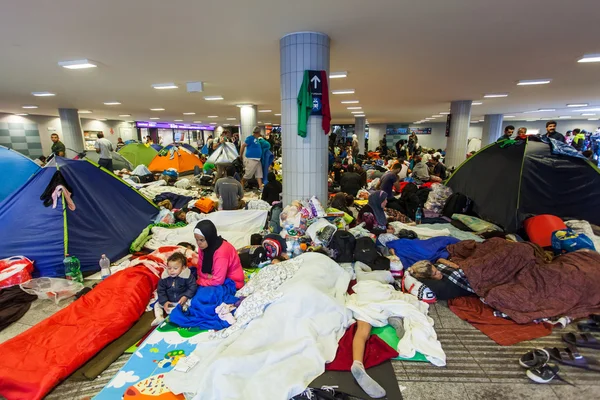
(305,105)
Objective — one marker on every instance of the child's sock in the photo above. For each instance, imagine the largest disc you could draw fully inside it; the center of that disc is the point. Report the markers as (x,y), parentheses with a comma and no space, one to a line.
(367,383)
(398,324)
(418,289)
(157,321)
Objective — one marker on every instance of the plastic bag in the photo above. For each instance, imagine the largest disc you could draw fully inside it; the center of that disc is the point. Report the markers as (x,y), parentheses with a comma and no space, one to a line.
(15,270)
(567,240)
(437,198)
(52,288)
(224,154)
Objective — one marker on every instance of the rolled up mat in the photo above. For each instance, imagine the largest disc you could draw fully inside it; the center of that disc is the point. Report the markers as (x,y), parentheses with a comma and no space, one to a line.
(96,365)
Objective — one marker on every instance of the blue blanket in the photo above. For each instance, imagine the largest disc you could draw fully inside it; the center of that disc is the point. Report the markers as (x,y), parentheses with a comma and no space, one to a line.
(201,313)
(410,251)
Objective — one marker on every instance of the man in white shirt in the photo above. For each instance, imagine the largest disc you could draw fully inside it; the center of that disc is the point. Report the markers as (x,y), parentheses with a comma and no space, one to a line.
(427,156)
(105,148)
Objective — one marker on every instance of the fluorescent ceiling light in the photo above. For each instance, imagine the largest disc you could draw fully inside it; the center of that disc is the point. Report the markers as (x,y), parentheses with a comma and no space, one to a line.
(356,112)
(101,119)
(587,114)
(22,114)
(481,120)
(528,82)
(509,116)
(593,119)
(84,111)
(589,58)
(157,109)
(189,113)
(587,109)
(197,122)
(436,116)
(445,113)
(564,117)
(429,118)
(231,119)
(495,95)
(112,103)
(213,116)
(350,102)
(125,115)
(29,107)
(474,122)
(77,64)
(43,94)
(578,105)
(476,103)
(546,109)
(243,105)
(212,98)
(360,115)
(213,123)
(337,75)
(161,86)
(344,91)
(265,111)
(268,123)
(278,115)
(130,122)
(417,122)
(531,120)
(354,108)
(154,118)
(178,120)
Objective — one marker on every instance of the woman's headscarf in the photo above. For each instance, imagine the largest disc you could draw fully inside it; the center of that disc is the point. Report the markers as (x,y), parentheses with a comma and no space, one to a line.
(207,229)
(375,200)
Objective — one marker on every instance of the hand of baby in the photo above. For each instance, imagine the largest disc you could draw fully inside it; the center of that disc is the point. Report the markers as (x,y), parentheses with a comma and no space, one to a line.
(183,300)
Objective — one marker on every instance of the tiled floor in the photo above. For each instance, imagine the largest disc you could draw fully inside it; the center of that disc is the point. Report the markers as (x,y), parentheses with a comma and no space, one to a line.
(476,368)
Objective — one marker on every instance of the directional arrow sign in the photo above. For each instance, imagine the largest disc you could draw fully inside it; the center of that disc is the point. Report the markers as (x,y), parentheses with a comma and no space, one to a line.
(316,89)
(316,81)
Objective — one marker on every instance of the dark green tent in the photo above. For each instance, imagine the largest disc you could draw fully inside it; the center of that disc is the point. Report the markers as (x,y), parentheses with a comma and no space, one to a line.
(511,183)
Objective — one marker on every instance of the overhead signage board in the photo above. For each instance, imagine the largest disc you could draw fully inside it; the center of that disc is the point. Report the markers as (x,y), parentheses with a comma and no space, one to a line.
(167,125)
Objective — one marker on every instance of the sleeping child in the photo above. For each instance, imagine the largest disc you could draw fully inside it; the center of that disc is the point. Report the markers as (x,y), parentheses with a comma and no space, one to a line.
(177,286)
(444,278)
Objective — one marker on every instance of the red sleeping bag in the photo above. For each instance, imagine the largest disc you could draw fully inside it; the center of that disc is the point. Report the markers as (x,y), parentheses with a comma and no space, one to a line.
(35,361)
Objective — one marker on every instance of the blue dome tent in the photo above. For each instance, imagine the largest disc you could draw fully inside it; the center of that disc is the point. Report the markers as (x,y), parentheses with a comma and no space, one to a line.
(17,170)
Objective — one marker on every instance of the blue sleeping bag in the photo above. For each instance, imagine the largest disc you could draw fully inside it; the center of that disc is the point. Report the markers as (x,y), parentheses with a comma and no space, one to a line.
(412,250)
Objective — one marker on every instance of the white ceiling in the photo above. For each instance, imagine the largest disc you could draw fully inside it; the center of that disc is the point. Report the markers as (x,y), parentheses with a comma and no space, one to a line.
(407,59)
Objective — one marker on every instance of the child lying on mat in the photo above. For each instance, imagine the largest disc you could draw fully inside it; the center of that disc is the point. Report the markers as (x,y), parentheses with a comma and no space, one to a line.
(177,286)
(444,278)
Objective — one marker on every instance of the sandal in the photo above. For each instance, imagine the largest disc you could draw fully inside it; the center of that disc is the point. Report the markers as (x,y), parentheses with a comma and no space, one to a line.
(591,325)
(582,340)
(543,374)
(570,356)
(534,359)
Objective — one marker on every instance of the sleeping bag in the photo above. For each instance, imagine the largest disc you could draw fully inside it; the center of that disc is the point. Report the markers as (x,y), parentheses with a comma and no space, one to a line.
(38,359)
(412,250)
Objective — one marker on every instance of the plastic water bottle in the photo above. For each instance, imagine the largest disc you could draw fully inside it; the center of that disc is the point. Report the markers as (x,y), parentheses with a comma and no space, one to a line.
(418,216)
(73,269)
(104,266)
(220,203)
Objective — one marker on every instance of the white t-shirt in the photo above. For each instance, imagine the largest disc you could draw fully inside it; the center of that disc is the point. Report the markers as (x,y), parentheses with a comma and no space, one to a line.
(105,147)
(403,171)
(427,157)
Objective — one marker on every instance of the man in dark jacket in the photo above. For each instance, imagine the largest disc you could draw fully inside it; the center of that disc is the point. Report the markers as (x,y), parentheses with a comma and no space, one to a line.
(350,182)
(551,132)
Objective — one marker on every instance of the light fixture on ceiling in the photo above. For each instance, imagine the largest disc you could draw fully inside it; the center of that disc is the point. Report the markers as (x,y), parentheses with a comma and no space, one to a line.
(265,111)
(22,114)
(474,122)
(587,109)
(112,103)
(564,117)
(429,118)
(259,122)
(154,118)
(577,105)
(417,122)
(162,86)
(356,112)
(587,114)
(101,119)
(343,91)
(528,82)
(213,123)
(337,75)
(231,119)
(481,120)
(445,113)
(213,116)
(130,122)
(589,58)
(509,116)
(350,102)
(124,115)
(243,105)
(43,94)
(189,113)
(29,107)
(268,123)
(354,108)
(194,87)
(84,111)
(476,103)
(178,120)
(546,109)
(531,120)
(77,64)
(436,116)
(278,115)
(495,95)
(157,109)
(197,122)
(359,115)
(213,98)
(593,119)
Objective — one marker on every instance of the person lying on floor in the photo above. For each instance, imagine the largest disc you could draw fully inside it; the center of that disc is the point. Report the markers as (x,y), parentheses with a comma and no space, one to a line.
(186,215)
(176,286)
(376,216)
(444,278)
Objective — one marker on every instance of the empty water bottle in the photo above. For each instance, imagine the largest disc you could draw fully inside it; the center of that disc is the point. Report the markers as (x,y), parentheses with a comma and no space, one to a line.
(418,216)
(104,266)
(73,269)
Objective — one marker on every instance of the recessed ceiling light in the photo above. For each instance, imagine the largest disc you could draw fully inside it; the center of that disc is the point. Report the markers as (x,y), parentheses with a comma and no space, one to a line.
(124,115)
(231,119)
(350,102)
(593,119)
(344,91)
(278,115)
(528,82)
(101,119)
(130,122)
(474,122)
(178,120)
(587,114)
(161,86)
(197,122)
(265,111)
(429,118)
(22,114)
(154,118)
(359,115)
(213,116)
(244,105)
(43,94)
(481,120)
(77,64)
(564,117)
(268,123)
(189,113)
(476,103)
(356,112)
(29,107)
(509,116)
(157,109)
(212,98)
(546,109)
(213,123)
(112,103)
(84,111)
(495,95)
(337,75)
(445,113)
(436,116)
(259,122)
(354,108)
(589,58)
(531,120)
(577,105)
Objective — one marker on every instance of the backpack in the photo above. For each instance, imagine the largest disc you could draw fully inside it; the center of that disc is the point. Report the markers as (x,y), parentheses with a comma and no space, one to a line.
(457,203)
(366,252)
(205,205)
(343,244)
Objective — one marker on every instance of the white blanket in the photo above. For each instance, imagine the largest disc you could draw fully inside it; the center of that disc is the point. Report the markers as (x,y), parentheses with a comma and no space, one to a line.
(278,354)
(375,302)
(234,226)
(152,191)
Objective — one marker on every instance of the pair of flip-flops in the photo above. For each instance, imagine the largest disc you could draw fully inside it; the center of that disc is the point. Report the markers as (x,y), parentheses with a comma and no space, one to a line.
(582,340)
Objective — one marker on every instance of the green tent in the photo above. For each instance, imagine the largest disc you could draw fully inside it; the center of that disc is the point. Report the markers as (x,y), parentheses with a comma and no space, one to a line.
(138,153)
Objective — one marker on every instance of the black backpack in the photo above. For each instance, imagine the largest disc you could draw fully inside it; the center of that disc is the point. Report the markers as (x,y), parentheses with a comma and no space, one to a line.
(366,252)
(457,203)
(343,243)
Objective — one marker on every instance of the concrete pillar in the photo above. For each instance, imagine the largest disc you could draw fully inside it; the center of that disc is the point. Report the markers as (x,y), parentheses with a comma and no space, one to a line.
(305,161)
(71,133)
(359,130)
(456,147)
(376,132)
(247,121)
(492,129)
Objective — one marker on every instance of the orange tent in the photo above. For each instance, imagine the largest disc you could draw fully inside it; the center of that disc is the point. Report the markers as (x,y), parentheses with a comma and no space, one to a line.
(176,157)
